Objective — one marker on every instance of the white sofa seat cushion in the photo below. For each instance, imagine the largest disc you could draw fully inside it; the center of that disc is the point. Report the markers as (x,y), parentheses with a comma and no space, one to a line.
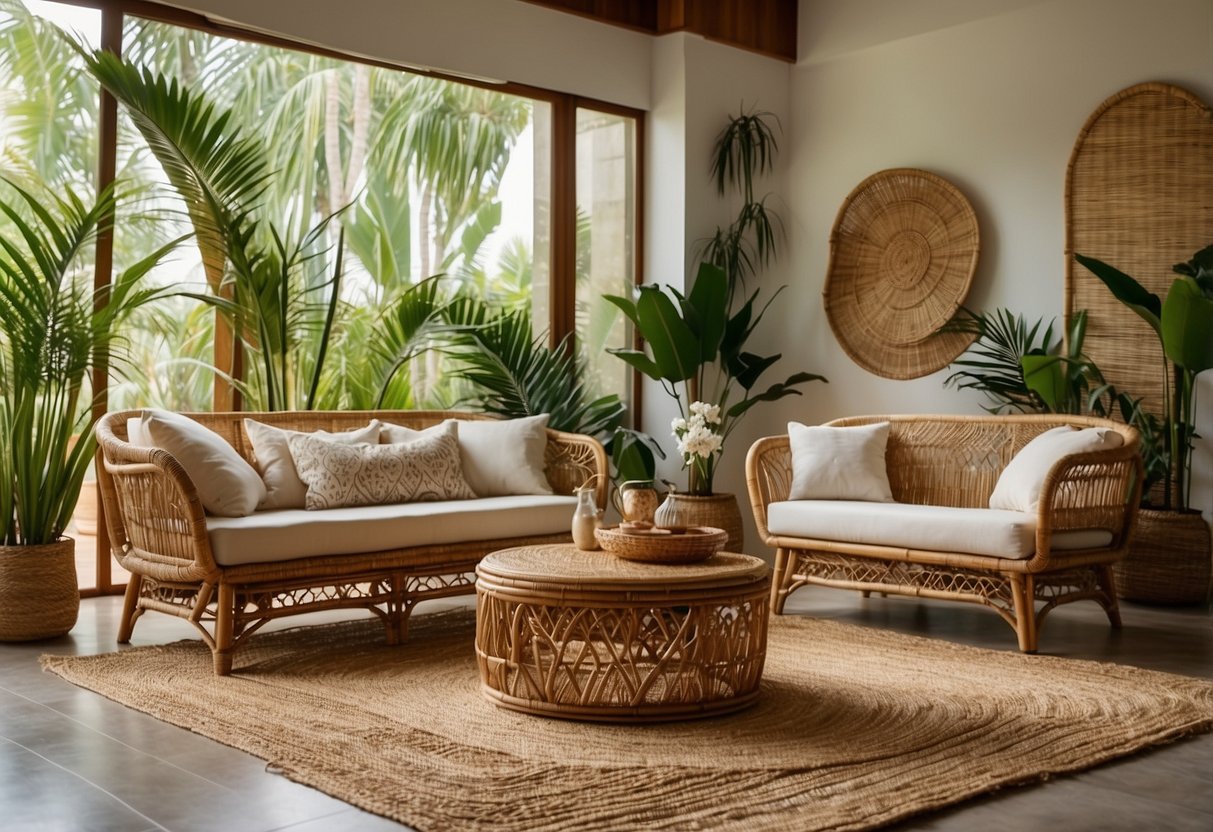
(273,536)
(974,531)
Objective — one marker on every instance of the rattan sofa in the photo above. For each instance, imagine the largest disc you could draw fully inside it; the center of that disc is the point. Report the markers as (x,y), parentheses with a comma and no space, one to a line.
(158,532)
(956,461)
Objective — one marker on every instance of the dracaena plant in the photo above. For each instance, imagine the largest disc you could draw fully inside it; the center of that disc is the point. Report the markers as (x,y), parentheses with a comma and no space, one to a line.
(1183,324)
(55,329)
(695,346)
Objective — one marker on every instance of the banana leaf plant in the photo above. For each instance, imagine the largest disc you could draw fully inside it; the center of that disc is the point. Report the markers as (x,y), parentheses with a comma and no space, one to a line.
(695,346)
(55,329)
(1183,324)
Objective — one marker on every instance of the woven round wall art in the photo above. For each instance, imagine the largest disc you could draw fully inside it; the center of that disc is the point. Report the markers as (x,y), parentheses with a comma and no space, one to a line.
(902,255)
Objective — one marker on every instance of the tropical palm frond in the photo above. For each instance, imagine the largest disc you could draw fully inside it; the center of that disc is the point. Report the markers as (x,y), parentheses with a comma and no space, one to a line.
(517,375)
(218,172)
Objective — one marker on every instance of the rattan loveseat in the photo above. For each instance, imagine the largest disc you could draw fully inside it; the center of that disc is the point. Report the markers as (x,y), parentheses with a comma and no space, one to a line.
(158,531)
(956,461)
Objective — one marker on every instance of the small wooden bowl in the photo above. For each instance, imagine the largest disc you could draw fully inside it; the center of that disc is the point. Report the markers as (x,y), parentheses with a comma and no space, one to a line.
(661,545)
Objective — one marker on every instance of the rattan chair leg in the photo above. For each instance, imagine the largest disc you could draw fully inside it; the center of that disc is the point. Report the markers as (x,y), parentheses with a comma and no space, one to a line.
(225,637)
(130,608)
(1107,584)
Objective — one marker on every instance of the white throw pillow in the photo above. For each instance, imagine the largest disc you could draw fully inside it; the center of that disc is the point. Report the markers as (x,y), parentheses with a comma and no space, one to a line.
(283,487)
(839,463)
(500,457)
(339,474)
(1019,486)
(390,434)
(227,485)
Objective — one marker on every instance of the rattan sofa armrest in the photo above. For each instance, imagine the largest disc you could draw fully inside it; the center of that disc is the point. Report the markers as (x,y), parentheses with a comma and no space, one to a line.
(153,513)
(1095,490)
(768,469)
(571,459)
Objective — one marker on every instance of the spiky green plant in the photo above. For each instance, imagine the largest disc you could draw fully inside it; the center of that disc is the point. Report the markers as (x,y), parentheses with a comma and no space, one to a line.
(54,331)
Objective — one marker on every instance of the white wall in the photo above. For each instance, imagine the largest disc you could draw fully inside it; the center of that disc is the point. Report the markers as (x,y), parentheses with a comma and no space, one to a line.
(989,94)
(492,39)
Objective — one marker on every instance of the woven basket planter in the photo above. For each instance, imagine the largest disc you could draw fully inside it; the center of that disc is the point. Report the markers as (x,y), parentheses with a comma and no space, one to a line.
(39,595)
(719,511)
(1169,560)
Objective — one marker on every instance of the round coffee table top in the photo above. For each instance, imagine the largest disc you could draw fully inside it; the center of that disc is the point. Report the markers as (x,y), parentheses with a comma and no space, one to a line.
(566,565)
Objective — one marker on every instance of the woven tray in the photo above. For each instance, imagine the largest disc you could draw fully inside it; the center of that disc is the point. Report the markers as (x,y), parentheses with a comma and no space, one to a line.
(658,546)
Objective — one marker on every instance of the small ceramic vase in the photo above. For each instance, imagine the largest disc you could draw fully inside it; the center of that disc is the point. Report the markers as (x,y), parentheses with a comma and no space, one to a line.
(670,515)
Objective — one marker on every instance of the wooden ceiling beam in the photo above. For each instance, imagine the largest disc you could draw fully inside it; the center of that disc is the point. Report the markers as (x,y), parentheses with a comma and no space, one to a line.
(767,27)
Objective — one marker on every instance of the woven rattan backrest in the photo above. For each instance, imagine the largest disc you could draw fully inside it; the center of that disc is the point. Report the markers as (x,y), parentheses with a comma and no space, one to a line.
(1139,195)
(956,460)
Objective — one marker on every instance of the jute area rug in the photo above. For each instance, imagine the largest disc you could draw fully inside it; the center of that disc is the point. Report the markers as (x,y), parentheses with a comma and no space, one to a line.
(855,728)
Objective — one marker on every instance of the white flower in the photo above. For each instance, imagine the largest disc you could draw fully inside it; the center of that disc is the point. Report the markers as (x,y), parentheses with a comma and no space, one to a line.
(699,441)
(696,433)
(710,413)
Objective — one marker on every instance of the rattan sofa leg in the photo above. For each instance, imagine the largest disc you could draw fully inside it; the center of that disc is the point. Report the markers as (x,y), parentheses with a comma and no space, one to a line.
(1023,593)
(225,637)
(784,561)
(1107,585)
(130,608)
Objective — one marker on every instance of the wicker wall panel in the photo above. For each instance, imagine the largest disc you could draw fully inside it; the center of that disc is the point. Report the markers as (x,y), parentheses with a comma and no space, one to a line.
(1139,196)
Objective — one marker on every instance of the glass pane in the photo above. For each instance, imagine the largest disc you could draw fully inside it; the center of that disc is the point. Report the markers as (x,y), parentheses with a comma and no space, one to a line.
(425,177)
(606,253)
(48,142)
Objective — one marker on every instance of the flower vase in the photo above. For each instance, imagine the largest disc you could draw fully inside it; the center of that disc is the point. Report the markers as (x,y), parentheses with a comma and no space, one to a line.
(720,511)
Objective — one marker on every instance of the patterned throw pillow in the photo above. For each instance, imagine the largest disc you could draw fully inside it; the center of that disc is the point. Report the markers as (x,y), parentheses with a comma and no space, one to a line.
(424,470)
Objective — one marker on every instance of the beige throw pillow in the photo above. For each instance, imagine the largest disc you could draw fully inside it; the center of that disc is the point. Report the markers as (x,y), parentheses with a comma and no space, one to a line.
(390,434)
(839,463)
(226,484)
(500,457)
(283,487)
(1019,486)
(422,470)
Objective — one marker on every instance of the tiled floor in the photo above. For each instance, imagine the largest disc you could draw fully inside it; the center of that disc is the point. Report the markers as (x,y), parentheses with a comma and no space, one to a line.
(72,760)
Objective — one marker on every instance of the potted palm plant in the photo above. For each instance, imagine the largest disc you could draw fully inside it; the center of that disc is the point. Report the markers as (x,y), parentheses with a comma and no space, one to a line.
(55,329)
(1170,560)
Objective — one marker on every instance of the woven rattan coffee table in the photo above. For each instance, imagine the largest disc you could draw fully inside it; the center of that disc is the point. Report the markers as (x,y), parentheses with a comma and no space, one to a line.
(586,635)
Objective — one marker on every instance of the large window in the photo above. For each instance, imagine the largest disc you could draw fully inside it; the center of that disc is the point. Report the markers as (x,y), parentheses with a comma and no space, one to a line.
(523,198)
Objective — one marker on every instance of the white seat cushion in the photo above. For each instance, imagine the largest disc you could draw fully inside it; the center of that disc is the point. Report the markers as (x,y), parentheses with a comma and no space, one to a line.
(272,536)
(975,531)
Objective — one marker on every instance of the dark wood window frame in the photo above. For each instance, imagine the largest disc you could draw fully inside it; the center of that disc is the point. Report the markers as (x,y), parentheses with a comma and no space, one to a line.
(564,108)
